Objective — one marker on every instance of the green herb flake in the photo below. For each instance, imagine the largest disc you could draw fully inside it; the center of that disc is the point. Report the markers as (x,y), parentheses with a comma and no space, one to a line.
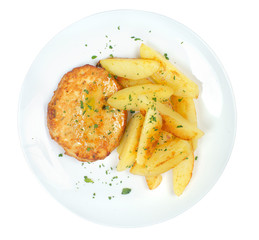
(126,191)
(180,99)
(130,98)
(109,75)
(81,104)
(88,180)
(94,57)
(95,125)
(88,149)
(110,47)
(86,91)
(60,155)
(111,56)
(196,158)
(119,28)
(131,111)
(166,56)
(179,126)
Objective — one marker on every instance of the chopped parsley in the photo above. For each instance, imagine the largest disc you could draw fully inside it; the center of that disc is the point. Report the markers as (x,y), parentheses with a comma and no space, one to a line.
(166,56)
(126,191)
(136,39)
(88,180)
(86,91)
(95,125)
(130,98)
(196,158)
(119,28)
(60,155)
(152,118)
(94,57)
(88,149)
(179,126)
(81,104)
(111,56)
(180,99)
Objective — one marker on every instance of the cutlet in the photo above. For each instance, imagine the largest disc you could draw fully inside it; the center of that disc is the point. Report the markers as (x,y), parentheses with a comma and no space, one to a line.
(79,118)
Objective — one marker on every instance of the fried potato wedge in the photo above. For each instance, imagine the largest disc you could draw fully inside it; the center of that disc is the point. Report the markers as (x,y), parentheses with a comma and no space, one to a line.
(129,143)
(182,174)
(124,82)
(169,154)
(131,68)
(168,74)
(174,123)
(153,182)
(186,107)
(165,157)
(128,98)
(149,135)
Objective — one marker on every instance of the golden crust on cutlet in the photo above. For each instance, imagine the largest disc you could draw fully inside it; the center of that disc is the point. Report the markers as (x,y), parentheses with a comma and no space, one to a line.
(79,118)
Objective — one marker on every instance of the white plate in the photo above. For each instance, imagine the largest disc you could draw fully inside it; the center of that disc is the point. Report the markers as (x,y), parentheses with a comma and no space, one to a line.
(63,176)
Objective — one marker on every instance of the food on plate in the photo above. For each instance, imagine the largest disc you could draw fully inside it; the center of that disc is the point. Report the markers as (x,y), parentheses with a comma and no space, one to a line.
(168,74)
(131,68)
(128,98)
(87,116)
(128,147)
(80,119)
(149,135)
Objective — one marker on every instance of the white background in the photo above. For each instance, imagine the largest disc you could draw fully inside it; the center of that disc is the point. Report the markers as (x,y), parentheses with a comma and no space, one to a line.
(229,211)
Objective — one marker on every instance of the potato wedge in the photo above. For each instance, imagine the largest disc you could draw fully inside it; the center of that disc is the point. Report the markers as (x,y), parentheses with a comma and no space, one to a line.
(162,161)
(182,174)
(129,142)
(168,74)
(131,68)
(186,107)
(124,82)
(127,98)
(153,182)
(174,123)
(169,153)
(149,135)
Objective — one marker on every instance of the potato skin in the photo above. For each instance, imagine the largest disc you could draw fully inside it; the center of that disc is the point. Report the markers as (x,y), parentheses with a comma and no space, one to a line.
(79,118)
